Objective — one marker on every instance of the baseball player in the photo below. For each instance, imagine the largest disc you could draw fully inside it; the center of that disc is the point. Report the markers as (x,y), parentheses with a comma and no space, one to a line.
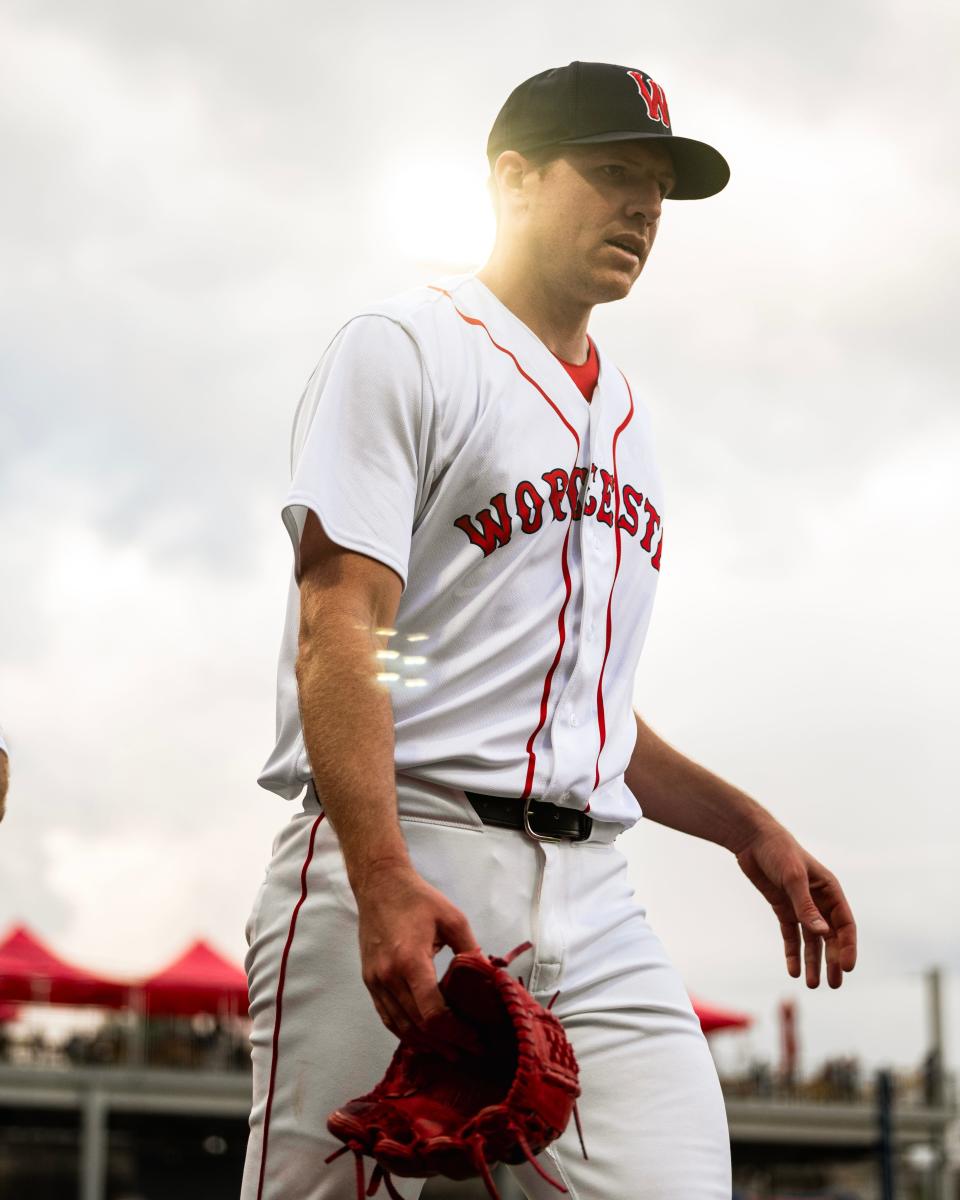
(477,524)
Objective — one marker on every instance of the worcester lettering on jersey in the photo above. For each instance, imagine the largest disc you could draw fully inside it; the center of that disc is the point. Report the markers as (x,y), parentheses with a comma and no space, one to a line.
(564,495)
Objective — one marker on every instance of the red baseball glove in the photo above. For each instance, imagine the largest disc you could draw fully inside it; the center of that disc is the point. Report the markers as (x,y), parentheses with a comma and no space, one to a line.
(493,1079)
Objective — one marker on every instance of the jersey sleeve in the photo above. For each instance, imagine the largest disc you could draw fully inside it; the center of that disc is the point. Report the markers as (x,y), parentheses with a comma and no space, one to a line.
(361,443)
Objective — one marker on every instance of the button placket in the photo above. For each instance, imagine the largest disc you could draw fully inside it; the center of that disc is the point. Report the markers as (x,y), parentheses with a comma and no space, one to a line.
(574,701)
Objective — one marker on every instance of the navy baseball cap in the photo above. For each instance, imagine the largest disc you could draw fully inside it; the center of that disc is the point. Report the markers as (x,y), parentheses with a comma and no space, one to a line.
(602,102)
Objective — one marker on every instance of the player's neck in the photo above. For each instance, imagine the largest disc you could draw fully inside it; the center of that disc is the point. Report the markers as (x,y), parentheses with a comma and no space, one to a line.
(557,321)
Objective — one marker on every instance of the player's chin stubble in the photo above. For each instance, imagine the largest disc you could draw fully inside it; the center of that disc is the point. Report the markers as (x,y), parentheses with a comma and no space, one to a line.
(610,283)
(587,280)
(607,286)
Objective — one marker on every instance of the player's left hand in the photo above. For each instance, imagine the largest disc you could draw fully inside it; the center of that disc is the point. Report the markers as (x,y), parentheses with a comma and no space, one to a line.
(807,899)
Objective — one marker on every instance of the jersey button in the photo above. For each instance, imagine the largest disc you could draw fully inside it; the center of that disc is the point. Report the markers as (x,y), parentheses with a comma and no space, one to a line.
(573,718)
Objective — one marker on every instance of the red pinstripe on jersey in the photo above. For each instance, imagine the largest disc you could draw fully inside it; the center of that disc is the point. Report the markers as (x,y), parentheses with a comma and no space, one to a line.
(561,626)
(548,679)
(601,719)
(279,1004)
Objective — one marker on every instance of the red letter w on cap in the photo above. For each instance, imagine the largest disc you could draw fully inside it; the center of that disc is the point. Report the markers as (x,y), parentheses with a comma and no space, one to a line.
(653,98)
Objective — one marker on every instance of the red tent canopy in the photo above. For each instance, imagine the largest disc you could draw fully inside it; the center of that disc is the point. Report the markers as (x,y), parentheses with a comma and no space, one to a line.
(713,1018)
(200,980)
(30,972)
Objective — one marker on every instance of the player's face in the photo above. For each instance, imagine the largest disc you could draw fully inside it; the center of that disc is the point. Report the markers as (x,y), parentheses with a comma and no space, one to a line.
(594,213)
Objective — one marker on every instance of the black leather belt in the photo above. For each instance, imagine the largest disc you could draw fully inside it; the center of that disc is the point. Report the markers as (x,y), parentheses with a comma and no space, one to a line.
(541,820)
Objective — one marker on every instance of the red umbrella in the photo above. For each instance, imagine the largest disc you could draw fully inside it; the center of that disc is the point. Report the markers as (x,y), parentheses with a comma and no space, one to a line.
(200,980)
(30,972)
(713,1018)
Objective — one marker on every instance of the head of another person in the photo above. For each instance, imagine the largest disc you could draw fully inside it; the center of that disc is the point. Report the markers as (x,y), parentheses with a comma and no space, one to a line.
(582,158)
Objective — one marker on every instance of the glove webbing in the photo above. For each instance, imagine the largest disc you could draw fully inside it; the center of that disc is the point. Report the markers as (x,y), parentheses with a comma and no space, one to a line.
(382,1175)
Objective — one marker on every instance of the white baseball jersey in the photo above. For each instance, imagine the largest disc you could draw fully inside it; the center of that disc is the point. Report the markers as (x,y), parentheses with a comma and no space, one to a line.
(439,435)
(3,744)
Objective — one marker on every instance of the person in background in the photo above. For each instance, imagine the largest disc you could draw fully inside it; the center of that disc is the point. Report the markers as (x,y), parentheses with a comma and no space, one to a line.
(4,775)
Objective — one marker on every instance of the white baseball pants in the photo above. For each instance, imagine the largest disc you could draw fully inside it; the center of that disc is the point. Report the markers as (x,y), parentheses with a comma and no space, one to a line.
(653,1116)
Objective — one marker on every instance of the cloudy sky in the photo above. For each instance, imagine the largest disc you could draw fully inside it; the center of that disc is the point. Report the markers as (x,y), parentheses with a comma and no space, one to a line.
(195,197)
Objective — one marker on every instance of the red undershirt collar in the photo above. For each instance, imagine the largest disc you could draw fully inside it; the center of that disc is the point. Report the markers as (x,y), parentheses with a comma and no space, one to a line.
(584,375)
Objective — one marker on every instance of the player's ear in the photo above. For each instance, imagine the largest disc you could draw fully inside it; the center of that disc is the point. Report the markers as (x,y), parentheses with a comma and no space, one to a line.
(508,175)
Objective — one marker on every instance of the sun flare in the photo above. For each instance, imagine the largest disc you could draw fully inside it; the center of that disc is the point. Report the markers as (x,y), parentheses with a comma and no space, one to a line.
(437,211)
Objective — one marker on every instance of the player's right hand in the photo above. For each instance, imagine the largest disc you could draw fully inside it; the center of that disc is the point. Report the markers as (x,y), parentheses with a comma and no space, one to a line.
(404,922)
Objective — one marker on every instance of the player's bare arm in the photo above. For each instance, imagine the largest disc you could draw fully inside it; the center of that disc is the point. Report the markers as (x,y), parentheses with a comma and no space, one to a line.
(806,898)
(348,731)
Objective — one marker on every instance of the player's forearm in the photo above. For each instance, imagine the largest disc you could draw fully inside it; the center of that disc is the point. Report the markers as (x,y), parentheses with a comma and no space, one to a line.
(348,731)
(675,791)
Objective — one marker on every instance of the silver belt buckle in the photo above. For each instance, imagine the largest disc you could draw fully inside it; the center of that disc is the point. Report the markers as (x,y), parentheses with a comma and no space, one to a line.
(537,837)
